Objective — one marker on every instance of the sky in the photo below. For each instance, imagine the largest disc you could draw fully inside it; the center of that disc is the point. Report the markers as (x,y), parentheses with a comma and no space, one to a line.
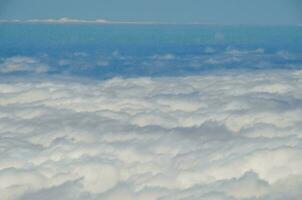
(179,11)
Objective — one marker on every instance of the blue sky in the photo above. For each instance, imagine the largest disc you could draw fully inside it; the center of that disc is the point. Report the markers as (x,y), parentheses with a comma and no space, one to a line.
(208,11)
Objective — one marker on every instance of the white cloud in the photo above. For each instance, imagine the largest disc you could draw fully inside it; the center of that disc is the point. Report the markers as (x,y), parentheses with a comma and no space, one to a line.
(237,52)
(236,136)
(67,20)
(22,64)
(163,57)
(64,20)
(239,57)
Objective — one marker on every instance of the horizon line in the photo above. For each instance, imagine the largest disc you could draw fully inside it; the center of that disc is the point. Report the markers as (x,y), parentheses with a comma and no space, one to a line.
(67,20)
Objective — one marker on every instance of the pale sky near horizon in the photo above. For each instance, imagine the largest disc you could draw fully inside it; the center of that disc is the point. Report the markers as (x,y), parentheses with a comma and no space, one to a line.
(182,11)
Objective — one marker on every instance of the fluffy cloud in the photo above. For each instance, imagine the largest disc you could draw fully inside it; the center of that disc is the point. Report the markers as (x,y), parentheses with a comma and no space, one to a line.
(228,137)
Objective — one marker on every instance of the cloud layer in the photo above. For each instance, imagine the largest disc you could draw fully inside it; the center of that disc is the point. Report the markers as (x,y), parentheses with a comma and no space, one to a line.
(236,136)
(67,20)
(64,20)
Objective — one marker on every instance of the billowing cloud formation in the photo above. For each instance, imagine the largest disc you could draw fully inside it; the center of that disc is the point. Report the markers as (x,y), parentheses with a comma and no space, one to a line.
(236,136)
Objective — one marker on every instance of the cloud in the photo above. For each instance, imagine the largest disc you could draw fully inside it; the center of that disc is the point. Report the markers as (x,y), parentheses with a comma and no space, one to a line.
(67,20)
(237,52)
(163,57)
(236,56)
(22,64)
(230,137)
(64,20)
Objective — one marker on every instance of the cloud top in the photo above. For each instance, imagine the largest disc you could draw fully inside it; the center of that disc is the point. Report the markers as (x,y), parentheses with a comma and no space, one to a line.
(236,136)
